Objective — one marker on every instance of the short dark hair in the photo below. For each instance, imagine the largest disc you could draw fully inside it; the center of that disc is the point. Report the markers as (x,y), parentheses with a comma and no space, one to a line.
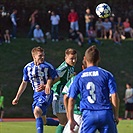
(92,54)
(129,84)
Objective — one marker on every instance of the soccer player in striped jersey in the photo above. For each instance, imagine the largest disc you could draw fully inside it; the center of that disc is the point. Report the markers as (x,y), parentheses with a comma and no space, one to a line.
(65,72)
(41,75)
(94,85)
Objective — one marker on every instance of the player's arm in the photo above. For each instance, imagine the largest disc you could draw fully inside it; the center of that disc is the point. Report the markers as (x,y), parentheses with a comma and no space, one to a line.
(65,100)
(115,103)
(21,89)
(71,103)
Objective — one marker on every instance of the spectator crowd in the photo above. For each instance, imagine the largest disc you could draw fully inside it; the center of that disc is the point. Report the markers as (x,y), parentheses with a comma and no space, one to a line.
(56,21)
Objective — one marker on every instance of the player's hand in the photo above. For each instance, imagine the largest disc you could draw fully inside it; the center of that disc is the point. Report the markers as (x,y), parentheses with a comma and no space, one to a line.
(15,101)
(116,120)
(41,87)
(72,125)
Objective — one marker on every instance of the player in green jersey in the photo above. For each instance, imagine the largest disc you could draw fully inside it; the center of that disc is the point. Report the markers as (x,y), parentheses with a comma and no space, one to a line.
(77,112)
(65,72)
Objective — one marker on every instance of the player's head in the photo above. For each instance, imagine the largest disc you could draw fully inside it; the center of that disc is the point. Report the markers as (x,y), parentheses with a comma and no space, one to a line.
(88,10)
(72,10)
(71,56)
(37,26)
(92,55)
(128,85)
(53,13)
(6,31)
(38,55)
(15,11)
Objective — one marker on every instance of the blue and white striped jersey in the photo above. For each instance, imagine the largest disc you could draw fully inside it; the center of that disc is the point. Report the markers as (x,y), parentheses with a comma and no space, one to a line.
(37,75)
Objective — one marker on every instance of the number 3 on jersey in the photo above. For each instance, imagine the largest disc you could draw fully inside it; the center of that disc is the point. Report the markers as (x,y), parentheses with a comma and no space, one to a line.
(91,87)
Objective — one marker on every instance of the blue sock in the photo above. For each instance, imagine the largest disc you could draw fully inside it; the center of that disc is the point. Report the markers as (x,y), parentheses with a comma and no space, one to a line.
(52,122)
(39,125)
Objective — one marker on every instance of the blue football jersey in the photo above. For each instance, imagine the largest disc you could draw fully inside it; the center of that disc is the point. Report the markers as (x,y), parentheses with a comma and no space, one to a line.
(94,85)
(37,75)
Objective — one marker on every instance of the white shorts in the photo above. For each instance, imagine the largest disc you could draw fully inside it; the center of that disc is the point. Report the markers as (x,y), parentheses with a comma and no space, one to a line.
(58,104)
(78,119)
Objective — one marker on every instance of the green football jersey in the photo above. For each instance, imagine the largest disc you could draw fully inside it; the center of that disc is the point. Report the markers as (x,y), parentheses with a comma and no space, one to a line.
(65,72)
(66,91)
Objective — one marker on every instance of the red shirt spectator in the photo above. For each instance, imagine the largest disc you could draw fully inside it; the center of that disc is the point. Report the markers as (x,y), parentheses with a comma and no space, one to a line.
(127,27)
(73,19)
(73,16)
(126,24)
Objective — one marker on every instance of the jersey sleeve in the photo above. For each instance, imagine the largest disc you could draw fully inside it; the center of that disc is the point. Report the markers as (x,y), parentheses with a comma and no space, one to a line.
(112,84)
(25,74)
(74,89)
(65,90)
(61,70)
(67,86)
(52,72)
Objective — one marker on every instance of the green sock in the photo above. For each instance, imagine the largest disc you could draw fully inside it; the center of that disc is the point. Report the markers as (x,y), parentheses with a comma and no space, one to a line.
(59,129)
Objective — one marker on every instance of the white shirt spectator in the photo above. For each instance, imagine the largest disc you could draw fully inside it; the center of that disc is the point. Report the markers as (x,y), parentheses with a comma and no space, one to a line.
(38,33)
(129,93)
(55,19)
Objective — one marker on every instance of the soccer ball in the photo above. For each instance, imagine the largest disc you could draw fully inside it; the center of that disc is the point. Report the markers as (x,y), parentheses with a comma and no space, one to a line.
(103,10)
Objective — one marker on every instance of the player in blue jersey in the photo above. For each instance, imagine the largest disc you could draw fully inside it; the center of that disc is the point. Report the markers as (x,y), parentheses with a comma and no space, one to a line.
(40,74)
(94,85)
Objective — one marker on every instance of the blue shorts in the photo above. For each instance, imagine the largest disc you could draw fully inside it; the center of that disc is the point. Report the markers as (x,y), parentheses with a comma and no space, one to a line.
(43,102)
(98,120)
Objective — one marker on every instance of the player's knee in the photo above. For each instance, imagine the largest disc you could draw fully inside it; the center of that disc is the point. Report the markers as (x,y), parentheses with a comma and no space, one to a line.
(37,112)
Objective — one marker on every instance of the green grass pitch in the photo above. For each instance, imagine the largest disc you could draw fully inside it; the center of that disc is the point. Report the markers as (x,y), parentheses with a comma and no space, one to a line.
(124,126)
